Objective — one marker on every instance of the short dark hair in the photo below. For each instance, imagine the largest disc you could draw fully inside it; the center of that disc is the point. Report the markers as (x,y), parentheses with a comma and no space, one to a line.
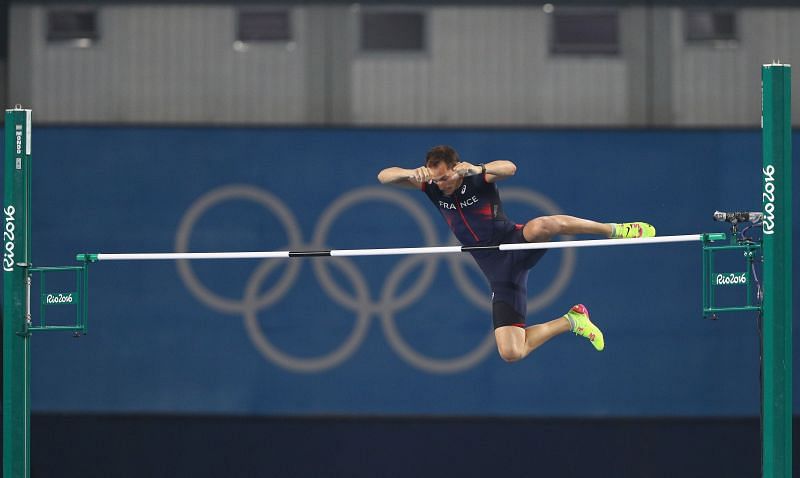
(442,153)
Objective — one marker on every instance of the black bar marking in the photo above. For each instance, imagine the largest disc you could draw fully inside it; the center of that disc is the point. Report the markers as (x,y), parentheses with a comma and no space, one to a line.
(480,248)
(309,253)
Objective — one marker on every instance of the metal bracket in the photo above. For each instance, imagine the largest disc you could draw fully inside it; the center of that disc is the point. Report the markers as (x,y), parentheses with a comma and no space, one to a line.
(751,251)
(77,298)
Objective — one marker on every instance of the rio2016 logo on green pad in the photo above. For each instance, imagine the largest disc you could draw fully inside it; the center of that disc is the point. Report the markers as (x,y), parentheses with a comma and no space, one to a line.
(730,278)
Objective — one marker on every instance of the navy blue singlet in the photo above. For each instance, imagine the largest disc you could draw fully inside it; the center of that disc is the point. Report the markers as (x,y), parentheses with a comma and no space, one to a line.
(475,214)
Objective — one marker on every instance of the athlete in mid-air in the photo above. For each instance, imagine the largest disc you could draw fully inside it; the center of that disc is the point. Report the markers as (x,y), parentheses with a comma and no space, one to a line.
(467,197)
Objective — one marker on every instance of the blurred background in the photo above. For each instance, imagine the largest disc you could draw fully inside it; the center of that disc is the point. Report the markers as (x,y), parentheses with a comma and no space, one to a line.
(217,126)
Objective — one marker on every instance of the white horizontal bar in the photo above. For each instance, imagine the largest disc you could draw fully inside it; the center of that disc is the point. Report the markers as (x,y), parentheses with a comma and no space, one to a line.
(160,256)
(601,242)
(393,251)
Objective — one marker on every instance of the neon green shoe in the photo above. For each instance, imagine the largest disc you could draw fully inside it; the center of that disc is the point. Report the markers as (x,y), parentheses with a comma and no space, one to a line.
(631,230)
(578,317)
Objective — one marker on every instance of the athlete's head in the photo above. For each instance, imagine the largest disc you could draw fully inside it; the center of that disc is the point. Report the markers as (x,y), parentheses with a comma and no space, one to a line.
(442,154)
(441,160)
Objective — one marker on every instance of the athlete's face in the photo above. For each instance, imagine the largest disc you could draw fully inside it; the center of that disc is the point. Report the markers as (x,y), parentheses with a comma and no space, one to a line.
(444,177)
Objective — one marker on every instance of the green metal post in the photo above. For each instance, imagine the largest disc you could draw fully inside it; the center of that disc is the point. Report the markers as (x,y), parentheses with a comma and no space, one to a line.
(85,298)
(776,406)
(705,281)
(42,287)
(711,289)
(16,305)
(748,254)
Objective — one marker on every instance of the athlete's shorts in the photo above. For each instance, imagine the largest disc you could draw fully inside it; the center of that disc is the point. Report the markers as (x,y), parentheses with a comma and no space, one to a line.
(507,272)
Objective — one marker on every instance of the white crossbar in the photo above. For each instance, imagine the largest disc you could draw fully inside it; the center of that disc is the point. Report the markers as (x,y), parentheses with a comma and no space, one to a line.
(162,256)
(601,242)
(392,251)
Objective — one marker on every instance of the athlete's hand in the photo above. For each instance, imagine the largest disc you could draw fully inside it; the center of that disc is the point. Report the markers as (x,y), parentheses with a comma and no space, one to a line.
(466,169)
(421,175)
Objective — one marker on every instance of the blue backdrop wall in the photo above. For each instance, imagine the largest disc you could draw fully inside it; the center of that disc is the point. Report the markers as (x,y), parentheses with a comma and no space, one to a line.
(385,336)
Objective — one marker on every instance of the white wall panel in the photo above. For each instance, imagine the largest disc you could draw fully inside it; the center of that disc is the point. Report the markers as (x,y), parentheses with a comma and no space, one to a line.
(489,66)
(156,63)
(716,85)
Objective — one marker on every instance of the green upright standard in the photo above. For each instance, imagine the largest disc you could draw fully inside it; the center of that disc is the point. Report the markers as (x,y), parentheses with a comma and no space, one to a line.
(18,272)
(16,304)
(776,198)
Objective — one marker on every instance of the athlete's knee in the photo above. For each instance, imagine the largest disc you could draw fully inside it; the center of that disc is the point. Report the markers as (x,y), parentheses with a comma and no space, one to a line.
(508,334)
(543,228)
(510,351)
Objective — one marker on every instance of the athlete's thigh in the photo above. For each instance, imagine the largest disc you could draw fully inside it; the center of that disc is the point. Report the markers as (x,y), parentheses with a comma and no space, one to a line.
(509,337)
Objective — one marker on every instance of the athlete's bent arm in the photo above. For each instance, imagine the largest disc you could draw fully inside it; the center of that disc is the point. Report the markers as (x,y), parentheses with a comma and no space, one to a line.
(495,170)
(411,178)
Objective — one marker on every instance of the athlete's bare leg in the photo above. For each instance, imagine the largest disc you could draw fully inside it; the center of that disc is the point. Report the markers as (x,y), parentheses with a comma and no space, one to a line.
(515,343)
(543,229)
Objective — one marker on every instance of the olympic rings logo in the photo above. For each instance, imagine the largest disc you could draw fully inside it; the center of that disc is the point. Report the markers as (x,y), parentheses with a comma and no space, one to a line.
(360,302)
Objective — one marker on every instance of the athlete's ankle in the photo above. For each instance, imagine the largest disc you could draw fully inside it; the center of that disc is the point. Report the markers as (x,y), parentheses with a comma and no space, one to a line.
(570,321)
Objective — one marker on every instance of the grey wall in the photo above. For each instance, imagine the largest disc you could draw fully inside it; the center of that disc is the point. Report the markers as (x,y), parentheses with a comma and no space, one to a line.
(158,63)
(715,85)
(488,66)
(482,66)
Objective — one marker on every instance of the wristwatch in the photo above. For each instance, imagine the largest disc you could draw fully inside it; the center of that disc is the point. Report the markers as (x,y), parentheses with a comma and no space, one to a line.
(483,168)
